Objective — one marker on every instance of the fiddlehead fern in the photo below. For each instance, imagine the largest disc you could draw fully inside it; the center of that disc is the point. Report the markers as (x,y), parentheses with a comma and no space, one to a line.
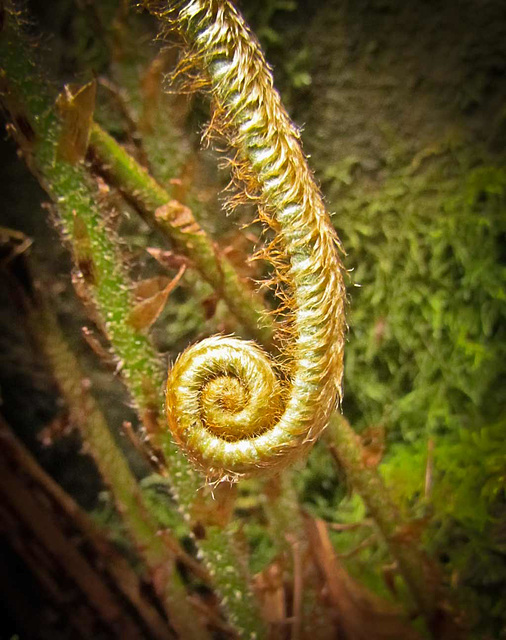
(248,111)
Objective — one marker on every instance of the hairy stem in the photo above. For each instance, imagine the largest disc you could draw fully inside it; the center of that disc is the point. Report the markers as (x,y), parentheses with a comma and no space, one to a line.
(178,224)
(157,548)
(251,116)
(37,128)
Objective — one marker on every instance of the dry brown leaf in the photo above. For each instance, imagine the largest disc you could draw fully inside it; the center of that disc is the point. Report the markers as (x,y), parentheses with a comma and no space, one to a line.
(237,248)
(373,446)
(153,294)
(76,105)
(146,289)
(270,589)
(168,259)
(360,614)
(179,216)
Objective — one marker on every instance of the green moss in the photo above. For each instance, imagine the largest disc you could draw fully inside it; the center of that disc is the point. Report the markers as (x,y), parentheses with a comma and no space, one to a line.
(426,322)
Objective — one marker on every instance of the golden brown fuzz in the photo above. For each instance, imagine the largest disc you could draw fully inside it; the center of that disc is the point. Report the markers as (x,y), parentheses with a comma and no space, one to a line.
(270,423)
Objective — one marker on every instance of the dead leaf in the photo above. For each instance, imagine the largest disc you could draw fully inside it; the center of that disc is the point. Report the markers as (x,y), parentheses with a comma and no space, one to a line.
(153,294)
(168,259)
(373,446)
(361,615)
(146,289)
(76,105)
(178,216)
(270,589)
(237,248)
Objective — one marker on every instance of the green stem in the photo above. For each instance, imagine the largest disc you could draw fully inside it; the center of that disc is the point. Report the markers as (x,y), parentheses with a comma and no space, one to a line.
(26,96)
(177,223)
(367,482)
(156,550)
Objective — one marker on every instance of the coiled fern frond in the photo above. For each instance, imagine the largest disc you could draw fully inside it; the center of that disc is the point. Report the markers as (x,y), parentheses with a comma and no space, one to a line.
(224,405)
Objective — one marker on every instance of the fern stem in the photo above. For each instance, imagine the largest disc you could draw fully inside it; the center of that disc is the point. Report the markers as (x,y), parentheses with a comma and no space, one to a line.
(250,114)
(283,514)
(413,565)
(28,99)
(178,224)
(157,550)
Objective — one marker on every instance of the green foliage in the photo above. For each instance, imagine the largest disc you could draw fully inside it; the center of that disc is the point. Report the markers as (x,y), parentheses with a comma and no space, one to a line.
(427,348)
(427,325)
(469,476)
(473,475)
(467,503)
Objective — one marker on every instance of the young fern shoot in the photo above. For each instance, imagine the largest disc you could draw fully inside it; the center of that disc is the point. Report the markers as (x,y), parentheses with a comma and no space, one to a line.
(224,405)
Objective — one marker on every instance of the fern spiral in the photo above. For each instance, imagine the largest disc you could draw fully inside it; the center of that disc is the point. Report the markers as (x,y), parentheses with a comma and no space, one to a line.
(211,385)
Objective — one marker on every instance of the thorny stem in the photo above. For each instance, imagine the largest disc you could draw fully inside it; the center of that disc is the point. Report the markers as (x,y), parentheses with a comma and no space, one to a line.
(177,223)
(157,548)
(37,128)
